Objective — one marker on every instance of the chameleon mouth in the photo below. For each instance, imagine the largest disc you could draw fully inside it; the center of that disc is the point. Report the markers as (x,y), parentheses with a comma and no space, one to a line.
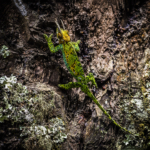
(60,34)
(67,39)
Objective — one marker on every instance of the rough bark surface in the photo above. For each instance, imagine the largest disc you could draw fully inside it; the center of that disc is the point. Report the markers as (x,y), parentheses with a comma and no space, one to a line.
(119,58)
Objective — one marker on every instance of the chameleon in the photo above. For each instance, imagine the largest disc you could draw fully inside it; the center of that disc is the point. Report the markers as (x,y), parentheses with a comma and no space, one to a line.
(69,51)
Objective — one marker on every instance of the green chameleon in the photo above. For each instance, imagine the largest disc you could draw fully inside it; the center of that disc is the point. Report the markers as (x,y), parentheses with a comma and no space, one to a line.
(73,64)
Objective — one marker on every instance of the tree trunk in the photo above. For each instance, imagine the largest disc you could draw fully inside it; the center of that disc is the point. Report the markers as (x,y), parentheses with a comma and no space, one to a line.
(114,47)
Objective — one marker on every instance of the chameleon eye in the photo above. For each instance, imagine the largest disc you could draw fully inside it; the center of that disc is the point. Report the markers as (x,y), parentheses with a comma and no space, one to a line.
(59,35)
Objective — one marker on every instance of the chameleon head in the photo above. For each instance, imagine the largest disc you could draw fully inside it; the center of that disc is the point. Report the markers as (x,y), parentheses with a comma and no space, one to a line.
(62,34)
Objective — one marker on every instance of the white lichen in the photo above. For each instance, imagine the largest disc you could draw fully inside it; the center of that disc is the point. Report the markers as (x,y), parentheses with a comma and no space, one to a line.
(4,51)
(53,131)
(20,106)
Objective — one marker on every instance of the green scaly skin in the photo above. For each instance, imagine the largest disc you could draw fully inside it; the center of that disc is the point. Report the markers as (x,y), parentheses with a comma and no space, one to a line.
(73,64)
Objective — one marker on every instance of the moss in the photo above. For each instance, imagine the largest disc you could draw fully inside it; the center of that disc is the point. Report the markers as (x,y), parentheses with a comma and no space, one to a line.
(4,51)
(141,125)
(33,112)
(45,136)
(144,94)
(141,130)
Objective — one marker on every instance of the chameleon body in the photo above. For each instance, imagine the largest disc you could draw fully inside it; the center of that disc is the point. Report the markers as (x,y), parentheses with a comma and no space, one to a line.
(73,64)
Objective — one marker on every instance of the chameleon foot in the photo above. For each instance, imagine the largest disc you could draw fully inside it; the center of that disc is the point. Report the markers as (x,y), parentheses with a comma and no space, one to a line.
(48,39)
(70,85)
(91,78)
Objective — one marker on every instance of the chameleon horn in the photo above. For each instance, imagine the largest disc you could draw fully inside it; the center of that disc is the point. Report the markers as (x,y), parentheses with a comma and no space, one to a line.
(58,25)
(63,24)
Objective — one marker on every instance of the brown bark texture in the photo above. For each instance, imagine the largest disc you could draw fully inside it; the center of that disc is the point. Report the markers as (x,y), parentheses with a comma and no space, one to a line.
(115,47)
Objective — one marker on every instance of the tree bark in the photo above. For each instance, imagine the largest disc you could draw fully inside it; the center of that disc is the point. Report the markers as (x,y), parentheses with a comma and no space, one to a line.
(114,47)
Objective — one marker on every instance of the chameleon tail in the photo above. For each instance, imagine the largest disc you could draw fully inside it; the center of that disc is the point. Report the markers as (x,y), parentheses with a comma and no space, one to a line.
(86,90)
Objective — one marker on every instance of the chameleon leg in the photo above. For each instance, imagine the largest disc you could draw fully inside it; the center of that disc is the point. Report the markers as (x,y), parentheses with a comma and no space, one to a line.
(70,85)
(91,78)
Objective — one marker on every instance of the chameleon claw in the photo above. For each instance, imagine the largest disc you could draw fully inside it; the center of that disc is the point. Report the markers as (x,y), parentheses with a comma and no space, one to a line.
(50,37)
(60,85)
(78,42)
(45,36)
(64,86)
